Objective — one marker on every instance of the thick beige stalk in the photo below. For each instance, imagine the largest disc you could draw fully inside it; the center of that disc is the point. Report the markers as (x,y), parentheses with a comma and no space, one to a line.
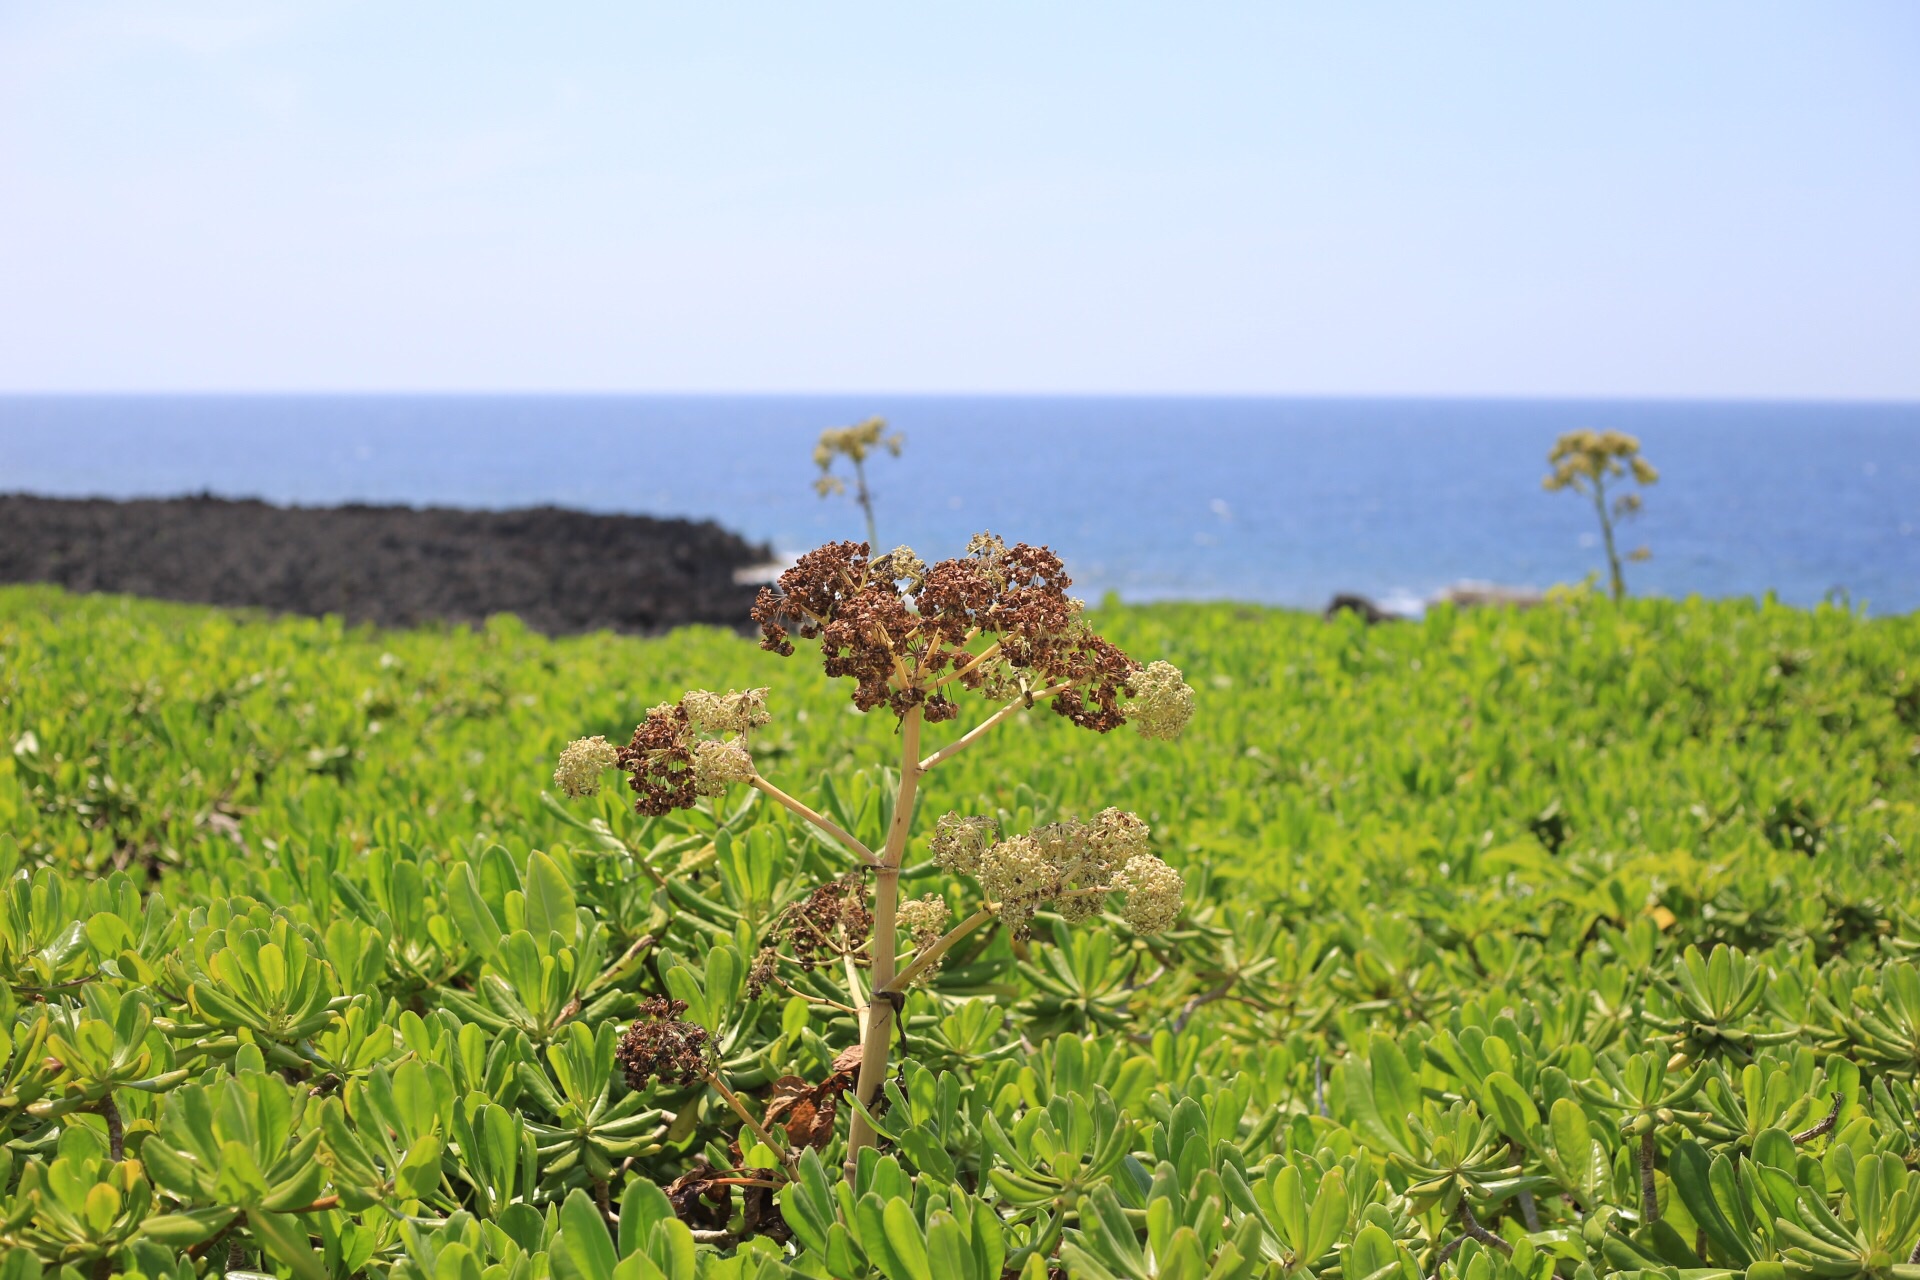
(886,904)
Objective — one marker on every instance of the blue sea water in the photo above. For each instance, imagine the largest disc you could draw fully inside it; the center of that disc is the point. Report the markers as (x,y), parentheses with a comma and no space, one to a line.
(1284,501)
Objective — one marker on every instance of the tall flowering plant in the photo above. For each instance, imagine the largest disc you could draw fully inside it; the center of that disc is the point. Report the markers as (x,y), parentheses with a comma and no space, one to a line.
(918,642)
(1586,462)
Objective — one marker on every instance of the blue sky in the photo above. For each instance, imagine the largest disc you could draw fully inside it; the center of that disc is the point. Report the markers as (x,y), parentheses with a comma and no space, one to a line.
(1614,199)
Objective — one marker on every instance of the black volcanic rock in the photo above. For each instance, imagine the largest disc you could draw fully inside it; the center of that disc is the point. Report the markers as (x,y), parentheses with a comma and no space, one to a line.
(560,571)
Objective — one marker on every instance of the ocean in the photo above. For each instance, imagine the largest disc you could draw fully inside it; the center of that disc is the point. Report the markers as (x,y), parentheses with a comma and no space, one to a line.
(1281,501)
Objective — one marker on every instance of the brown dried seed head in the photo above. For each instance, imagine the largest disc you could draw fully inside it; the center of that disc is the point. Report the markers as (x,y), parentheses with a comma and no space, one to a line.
(659,762)
(831,921)
(658,1046)
(760,975)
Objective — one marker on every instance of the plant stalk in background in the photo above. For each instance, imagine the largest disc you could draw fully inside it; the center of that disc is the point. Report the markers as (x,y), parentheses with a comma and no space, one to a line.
(1585,461)
(854,444)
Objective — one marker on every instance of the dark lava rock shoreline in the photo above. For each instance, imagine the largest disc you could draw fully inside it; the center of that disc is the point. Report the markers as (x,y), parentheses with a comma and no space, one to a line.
(560,571)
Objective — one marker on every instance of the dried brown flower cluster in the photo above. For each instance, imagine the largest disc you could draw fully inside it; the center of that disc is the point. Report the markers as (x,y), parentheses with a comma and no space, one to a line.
(1069,866)
(669,761)
(658,1046)
(831,922)
(997,620)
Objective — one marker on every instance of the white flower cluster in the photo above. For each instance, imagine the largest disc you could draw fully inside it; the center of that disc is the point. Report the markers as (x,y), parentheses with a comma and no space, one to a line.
(718,762)
(1068,866)
(900,565)
(738,711)
(1153,894)
(1162,701)
(958,842)
(581,765)
(925,919)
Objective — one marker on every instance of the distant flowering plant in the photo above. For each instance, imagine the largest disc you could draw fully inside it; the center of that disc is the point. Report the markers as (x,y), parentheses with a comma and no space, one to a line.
(855,443)
(915,640)
(1585,461)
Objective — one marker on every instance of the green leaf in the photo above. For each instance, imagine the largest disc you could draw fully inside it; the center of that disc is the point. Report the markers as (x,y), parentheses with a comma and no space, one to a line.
(419,1173)
(682,985)
(642,1205)
(1372,1256)
(285,1240)
(1689,1171)
(470,912)
(1329,1218)
(948,1257)
(550,904)
(583,1250)
(184,1230)
(1512,1108)
(989,1242)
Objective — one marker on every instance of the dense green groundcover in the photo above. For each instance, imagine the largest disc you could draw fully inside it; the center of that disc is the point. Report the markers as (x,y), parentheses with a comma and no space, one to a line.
(1571,941)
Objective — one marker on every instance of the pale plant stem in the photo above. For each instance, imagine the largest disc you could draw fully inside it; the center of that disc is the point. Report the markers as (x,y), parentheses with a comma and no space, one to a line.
(987,654)
(732,1099)
(925,959)
(978,731)
(820,1001)
(886,903)
(866,503)
(855,993)
(1618,583)
(820,820)
(930,955)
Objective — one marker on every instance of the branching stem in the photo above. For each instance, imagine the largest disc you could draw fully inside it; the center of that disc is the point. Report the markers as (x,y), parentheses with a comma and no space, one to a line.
(1617,583)
(1649,1195)
(116,1131)
(972,664)
(865,499)
(732,1099)
(979,731)
(820,820)
(1825,1126)
(810,998)
(930,955)
(886,903)
(1471,1225)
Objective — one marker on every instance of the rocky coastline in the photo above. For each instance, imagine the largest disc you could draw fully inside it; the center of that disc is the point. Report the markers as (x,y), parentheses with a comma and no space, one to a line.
(560,571)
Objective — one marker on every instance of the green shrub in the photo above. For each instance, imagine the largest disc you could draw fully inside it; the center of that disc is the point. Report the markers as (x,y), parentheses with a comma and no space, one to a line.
(1571,941)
